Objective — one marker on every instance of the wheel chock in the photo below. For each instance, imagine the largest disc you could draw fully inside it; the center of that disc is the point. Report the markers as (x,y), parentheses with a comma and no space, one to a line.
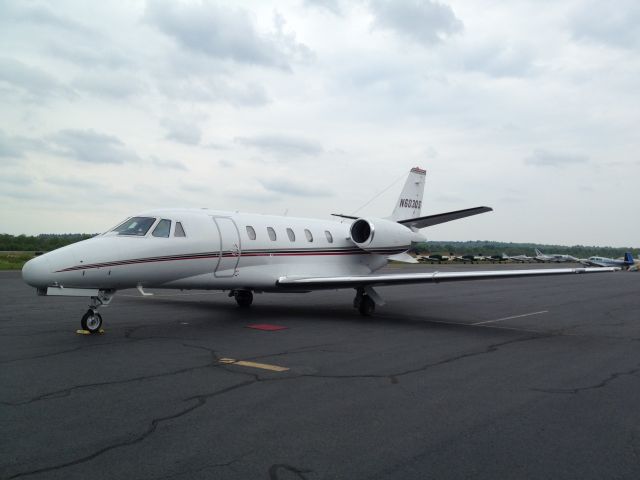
(87,332)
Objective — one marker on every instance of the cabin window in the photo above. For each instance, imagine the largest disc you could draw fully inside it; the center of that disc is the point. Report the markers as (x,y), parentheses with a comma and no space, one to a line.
(327,234)
(291,235)
(162,229)
(308,235)
(137,226)
(179,232)
(251,232)
(272,233)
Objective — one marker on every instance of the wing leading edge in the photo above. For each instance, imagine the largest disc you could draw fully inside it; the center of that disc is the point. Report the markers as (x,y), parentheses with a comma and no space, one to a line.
(319,283)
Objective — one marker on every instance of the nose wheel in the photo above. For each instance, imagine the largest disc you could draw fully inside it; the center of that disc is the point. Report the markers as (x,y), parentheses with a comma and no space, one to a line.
(91,321)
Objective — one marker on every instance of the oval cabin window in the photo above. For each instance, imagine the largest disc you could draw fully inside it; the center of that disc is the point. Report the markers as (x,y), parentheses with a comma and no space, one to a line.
(251,232)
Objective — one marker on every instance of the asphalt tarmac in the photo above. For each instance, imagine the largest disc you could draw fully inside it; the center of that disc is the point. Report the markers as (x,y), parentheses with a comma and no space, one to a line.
(531,378)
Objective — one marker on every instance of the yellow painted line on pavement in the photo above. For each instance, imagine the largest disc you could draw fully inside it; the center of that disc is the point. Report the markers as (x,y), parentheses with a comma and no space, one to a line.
(243,363)
(87,332)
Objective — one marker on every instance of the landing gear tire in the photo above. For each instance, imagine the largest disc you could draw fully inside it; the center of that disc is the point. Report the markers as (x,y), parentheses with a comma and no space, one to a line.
(244,298)
(91,321)
(366,306)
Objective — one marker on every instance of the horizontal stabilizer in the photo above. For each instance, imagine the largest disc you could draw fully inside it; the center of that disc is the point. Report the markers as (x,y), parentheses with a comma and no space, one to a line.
(428,221)
(318,283)
(341,215)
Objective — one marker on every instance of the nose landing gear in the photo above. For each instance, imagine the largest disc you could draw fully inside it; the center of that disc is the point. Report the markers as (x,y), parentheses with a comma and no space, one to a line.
(92,321)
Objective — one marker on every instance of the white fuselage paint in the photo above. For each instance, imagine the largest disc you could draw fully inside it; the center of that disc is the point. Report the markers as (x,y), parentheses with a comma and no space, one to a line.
(216,253)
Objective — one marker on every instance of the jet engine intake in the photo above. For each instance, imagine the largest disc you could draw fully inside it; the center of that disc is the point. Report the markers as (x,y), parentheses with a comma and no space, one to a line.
(378,234)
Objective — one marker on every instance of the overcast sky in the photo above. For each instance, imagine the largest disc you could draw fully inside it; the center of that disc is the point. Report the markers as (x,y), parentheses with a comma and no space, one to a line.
(314,107)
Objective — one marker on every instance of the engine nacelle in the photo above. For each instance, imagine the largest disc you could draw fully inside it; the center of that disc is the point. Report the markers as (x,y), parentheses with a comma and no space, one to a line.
(373,234)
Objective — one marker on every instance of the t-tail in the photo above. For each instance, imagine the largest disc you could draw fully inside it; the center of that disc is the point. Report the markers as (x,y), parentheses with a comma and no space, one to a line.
(409,205)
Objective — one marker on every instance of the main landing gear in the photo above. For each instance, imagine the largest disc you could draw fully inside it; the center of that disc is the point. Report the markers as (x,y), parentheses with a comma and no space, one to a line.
(244,298)
(364,303)
(92,321)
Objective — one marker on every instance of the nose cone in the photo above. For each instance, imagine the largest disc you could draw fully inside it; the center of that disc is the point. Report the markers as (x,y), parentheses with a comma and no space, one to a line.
(36,272)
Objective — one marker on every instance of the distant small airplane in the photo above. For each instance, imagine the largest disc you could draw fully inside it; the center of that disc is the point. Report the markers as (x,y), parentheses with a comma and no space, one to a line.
(628,261)
(520,258)
(435,258)
(471,258)
(554,258)
(245,253)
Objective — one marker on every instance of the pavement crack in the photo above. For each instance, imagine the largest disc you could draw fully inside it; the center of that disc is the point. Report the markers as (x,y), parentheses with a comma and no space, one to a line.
(189,472)
(394,377)
(65,392)
(274,469)
(602,384)
(197,402)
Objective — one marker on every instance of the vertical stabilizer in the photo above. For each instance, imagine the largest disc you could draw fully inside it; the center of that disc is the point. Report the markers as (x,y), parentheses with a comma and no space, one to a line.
(409,204)
(628,258)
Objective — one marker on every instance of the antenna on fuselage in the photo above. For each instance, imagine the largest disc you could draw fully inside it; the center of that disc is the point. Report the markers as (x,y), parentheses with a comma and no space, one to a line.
(379,193)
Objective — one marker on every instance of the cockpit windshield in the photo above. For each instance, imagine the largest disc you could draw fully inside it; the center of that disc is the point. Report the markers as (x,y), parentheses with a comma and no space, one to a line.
(138,226)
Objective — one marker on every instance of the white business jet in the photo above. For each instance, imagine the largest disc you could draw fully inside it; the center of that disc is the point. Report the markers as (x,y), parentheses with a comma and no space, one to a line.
(245,253)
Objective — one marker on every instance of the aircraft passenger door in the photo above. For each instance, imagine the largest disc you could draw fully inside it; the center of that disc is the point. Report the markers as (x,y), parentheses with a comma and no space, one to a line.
(230,247)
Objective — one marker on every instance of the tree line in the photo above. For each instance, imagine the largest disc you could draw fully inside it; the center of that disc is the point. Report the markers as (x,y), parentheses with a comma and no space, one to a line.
(488,248)
(50,241)
(44,242)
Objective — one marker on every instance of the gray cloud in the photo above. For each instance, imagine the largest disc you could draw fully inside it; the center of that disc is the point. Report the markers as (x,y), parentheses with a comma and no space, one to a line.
(332,6)
(253,196)
(29,82)
(16,179)
(18,146)
(220,32)
(500,60)
(164,163)
(203,88)
(91,147)
(609,23)
(10,147)
(181,131)
(288,187)
(424,21)
(67,182)
(282,145)
(110,85)
(41,15)
(88,56)
(544,158)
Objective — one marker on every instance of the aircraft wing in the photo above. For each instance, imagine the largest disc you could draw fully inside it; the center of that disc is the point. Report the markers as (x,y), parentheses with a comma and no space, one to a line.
(318,283)
(422,222)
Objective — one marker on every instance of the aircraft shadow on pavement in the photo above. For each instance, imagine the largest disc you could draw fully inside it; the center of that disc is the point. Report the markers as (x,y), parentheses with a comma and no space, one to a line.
(313,314)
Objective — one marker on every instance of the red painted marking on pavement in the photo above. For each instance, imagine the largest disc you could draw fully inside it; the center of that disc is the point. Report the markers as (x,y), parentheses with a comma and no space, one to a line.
(266,327)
